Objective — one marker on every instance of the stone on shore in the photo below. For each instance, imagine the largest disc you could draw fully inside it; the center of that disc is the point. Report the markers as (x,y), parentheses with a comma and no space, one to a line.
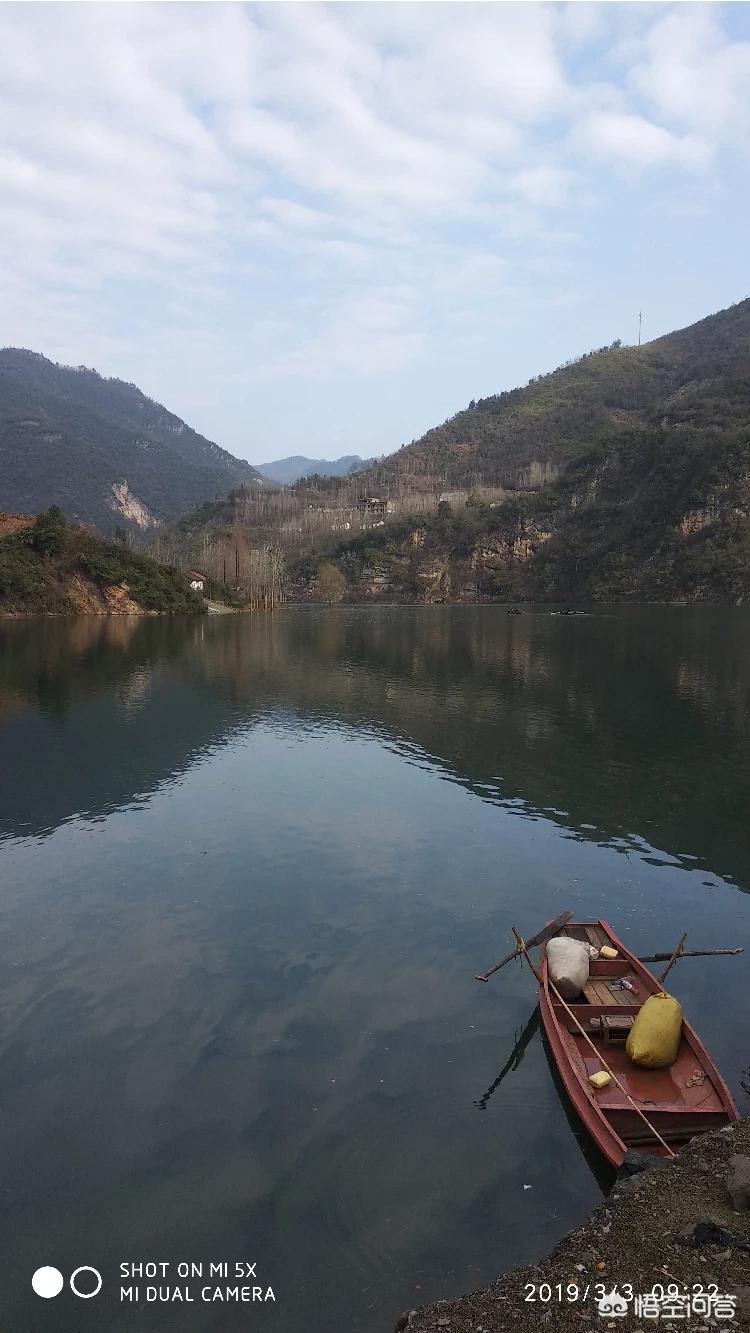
(738,1181)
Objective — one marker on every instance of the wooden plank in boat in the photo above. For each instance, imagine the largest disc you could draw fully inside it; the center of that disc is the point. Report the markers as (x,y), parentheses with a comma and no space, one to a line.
(597,993)
(596,936)
(601,992)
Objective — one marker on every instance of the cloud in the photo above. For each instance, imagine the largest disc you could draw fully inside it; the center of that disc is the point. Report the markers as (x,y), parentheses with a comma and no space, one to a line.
(634,141)
(284,166)
(367,332)
(543,185)
(692,74)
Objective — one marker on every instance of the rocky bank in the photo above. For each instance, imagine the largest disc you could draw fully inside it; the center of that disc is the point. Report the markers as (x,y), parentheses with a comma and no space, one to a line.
(685,1223)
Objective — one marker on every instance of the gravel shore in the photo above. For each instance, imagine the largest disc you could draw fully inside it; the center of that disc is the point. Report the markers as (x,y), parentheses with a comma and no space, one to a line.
(674,1225)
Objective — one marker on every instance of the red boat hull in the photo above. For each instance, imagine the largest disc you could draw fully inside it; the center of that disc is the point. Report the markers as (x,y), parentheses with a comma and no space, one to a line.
(678,1105)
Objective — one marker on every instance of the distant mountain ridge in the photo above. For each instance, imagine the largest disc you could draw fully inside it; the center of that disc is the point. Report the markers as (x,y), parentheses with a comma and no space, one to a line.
(623,475)
(286,471)
(101,449)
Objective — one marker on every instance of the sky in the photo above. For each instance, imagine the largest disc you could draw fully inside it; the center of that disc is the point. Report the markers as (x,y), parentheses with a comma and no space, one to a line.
(324,228)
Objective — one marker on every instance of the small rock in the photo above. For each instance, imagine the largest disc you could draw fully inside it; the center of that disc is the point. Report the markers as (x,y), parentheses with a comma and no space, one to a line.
(634,1162)
(631,1185)
(705,1231)
(738,1182)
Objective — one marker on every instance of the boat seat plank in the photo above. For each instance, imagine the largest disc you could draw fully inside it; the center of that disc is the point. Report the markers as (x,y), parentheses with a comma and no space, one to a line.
(583,1010)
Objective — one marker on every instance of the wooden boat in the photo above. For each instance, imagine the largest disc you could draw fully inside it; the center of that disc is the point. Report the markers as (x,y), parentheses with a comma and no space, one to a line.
(686,1099)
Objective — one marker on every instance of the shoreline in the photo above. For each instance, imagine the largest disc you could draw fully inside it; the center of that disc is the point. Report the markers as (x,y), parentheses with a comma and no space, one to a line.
(583,609)
(671,1224)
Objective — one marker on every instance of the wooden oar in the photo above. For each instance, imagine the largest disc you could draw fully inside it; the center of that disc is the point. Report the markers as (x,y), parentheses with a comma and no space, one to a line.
(688,953)
(672,960)
(523,949)
(541,937)
(554,926)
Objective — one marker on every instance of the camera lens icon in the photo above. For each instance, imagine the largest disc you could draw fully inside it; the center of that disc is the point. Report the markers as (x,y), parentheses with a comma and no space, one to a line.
(97,1277)
(48,1282)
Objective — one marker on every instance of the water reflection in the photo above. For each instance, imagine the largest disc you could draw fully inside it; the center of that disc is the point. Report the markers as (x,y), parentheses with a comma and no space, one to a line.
(630,727)
(529,1030)
(249,870)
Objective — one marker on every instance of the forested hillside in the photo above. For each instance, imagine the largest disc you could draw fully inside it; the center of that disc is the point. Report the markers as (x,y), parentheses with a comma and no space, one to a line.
(625,474)
(50,567)
(101,449)
(533,433)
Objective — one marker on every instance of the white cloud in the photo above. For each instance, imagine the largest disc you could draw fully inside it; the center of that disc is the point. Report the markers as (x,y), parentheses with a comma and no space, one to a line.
(295,215)
(367,332)
(637,142)
(692,74)
(543,185)
(302,160)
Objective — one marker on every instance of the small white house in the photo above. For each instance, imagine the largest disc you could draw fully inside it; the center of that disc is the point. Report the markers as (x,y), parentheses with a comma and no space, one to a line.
(197,580)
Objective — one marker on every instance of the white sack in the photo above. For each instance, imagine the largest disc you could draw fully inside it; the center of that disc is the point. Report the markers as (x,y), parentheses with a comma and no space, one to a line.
(568,965)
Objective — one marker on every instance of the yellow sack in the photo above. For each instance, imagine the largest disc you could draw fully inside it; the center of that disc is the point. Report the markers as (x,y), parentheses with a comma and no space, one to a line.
(607,951)
(654,1038)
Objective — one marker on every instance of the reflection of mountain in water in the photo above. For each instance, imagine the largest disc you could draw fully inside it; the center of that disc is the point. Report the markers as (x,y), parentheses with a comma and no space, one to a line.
(629,727)
(95,713)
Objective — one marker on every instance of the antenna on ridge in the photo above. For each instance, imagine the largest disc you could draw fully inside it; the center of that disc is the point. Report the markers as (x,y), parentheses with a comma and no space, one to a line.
(640,321)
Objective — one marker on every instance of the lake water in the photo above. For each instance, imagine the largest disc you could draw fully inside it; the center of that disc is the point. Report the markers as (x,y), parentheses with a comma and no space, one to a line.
(249,867)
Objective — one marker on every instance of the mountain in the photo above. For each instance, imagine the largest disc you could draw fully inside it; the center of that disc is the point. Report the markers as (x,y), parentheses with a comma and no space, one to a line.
(286,471)
(528,435)
(50,567)
(101,449)
(623,475)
